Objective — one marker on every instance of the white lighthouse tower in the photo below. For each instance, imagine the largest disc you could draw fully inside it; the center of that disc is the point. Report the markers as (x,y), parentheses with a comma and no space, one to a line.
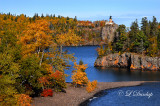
(110,22)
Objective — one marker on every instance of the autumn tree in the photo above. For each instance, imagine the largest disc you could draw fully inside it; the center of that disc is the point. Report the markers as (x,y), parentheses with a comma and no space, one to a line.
(67,39)
(91,86)
(36,39)
(8,74)
(79,76)
(9,67)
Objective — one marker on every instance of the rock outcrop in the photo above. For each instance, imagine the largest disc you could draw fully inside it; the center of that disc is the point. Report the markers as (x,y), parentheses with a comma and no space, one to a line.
(109,32)
(129,60)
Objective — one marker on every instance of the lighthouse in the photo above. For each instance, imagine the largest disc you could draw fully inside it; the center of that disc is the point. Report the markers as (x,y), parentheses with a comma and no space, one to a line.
(110,22)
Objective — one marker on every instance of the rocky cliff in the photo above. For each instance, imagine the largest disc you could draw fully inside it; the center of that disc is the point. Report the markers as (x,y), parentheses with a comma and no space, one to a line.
(129,60)
(109,32)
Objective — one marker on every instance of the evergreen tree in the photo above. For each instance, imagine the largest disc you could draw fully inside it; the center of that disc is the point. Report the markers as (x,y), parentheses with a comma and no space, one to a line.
(140,42)
(158,38)
(132,35)
(42,16)
(59,16)
(75,18)
(154,27)
(54,15)
(145,26)
(153,38)
(120,43)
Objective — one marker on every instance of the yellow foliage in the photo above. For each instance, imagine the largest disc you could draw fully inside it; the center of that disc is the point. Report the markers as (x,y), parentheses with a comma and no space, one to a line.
(79,67)
(79,78)
(36,37)
(100,51)
(91,86)
(69,38)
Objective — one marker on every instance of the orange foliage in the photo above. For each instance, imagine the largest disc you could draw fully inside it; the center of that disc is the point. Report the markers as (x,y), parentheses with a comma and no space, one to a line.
(100,51)
(79,67)
(91,86)
(142,66)
(116,62)
(102,63)
(132,66)
(36,37)
(149,65)
(23,100)
(57,75)
(79,78)
(102,23)
(154,67)
(47,80)
(159,27)
(85,24)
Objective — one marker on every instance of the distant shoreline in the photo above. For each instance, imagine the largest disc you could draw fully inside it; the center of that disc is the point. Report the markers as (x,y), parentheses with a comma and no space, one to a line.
(80,45)
(78,96)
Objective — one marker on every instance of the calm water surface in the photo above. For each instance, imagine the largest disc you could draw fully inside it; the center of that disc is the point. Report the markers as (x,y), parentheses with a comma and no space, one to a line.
(88,54)
(147,94)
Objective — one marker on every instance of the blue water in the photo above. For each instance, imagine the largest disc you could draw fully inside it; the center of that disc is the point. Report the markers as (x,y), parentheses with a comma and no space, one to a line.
(147,94)
(88,54)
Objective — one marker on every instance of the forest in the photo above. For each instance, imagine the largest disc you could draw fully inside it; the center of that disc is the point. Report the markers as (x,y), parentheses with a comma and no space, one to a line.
(144,39)
(32,60)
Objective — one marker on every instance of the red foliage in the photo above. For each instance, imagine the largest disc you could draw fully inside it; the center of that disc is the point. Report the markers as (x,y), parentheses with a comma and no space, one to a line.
(47,92)
(57,75)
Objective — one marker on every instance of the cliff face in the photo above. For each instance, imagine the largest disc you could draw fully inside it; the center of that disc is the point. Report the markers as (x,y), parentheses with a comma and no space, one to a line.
(129,60)
(109,32)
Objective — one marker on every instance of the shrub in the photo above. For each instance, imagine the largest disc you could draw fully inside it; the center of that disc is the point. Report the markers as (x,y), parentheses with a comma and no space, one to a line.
(23,100)
(57,80)
(79,76)
(79,67)
(91,86)
(47,92)
(53,79)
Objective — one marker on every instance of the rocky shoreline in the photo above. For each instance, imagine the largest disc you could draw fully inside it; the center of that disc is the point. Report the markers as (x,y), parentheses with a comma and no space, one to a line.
(130,61)
(77,96)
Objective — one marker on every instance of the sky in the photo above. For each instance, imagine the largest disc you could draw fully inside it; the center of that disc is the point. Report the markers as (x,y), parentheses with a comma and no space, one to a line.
(122,11)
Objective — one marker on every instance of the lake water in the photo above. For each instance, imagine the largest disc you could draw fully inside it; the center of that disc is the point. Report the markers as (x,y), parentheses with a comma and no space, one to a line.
(147,94)
(88,54)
